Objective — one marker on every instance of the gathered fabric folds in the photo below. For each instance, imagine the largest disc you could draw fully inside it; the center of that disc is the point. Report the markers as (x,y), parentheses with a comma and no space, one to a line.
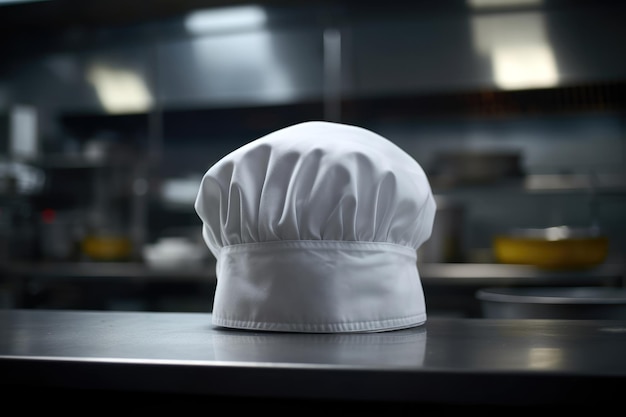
(315,228)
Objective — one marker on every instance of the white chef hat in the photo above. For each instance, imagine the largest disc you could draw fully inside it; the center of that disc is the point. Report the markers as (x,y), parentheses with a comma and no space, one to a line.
(315,228)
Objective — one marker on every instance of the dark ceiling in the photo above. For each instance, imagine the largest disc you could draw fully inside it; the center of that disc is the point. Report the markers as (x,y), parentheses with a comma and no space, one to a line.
(55,14)
(27,26)
(49,16)
(36,19)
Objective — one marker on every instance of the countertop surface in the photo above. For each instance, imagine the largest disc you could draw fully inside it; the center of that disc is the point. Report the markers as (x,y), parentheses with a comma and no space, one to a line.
(446,361)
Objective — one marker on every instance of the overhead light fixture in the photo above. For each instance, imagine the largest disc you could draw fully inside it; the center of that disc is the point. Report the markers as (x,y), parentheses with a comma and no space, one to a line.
(225,18)
(519,50)
(532,66)
(120,90)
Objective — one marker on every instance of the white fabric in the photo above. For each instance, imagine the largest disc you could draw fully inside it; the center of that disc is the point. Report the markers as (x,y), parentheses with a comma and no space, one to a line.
(315,228)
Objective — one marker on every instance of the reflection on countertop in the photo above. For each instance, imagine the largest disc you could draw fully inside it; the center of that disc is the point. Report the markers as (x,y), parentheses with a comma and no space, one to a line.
(448,361)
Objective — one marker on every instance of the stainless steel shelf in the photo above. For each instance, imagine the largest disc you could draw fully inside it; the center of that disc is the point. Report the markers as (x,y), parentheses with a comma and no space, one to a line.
(87,270)
(502,274)
(607,183)
(70,161)
(574,182)
(431,273)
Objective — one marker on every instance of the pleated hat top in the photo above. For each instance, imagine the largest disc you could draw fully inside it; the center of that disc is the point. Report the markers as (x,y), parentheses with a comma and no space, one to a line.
(315,228)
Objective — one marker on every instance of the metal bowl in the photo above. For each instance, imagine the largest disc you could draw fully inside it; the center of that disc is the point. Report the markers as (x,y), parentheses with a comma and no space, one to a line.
(591,303)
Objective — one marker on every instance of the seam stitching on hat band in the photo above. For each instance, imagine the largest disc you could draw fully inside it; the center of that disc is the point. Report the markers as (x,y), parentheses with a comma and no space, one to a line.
(324,245)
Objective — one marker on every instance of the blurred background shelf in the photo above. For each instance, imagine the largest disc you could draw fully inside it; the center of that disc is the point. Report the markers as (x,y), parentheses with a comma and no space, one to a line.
(88,270)
(430,273)
(116,110)
(450,288)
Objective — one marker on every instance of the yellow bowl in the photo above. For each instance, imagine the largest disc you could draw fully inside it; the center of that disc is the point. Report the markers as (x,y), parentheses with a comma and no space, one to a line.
(574,252)
(107,248)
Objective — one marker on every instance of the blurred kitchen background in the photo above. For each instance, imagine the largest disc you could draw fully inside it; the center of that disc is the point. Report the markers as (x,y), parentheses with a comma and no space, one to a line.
(111,111)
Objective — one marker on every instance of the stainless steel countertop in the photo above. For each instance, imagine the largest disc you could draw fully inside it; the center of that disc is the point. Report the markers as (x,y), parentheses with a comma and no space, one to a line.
(447,361)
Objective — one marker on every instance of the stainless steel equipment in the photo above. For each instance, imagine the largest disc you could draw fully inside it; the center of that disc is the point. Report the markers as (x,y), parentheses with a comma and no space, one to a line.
(476,167)
(446,241)
(592,303)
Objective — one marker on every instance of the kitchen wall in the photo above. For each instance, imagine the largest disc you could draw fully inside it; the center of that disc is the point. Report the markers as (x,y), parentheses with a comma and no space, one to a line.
(184,92)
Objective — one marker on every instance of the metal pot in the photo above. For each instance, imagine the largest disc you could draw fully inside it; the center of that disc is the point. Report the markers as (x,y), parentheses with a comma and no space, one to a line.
(587,303)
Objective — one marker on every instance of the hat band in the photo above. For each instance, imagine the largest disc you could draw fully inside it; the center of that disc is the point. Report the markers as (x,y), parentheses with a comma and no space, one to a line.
(318,287)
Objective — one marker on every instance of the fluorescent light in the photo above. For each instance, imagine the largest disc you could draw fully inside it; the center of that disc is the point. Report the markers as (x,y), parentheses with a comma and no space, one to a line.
(524,67)
(120,90)
(226,18)
(519,50)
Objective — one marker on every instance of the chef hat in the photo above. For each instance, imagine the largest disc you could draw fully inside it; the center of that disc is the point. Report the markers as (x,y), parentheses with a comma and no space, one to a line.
(315,228)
